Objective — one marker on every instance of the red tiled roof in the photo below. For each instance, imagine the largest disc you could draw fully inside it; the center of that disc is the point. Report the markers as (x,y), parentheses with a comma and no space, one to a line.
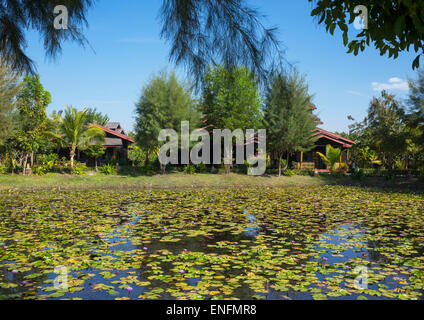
(117,134)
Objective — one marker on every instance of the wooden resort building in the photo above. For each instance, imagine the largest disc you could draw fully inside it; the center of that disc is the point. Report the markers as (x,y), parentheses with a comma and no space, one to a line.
(311,159)
(116,141)
(116,144)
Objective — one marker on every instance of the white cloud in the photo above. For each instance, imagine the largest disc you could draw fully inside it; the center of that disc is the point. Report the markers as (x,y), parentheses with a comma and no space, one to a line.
(393,84)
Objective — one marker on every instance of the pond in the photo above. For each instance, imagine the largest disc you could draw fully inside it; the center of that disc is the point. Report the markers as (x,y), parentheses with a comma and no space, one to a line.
(328,242)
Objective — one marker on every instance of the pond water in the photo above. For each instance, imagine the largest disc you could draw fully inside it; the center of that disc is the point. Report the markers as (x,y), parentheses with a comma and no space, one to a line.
(279,243)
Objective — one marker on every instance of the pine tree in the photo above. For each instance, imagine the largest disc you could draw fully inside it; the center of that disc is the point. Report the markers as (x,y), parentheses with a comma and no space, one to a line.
(416,103)
(9,88)
(231,99)
(163,104)
(288,116)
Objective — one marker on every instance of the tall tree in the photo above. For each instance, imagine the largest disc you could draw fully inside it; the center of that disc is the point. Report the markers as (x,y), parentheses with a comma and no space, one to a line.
(32,102)
(384,129)
(163,104)
(95,151)
(288,116)
(388,130)
(231,99)
(17,17)
(415,102)
(393,26)
(9,89)
(94,116)
(75,133)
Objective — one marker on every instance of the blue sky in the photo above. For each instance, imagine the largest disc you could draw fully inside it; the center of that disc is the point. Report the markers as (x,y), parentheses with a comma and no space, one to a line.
(126,51)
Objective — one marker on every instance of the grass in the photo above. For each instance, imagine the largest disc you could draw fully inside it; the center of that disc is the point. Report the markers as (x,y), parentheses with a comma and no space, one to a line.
(181,180)
(172,180)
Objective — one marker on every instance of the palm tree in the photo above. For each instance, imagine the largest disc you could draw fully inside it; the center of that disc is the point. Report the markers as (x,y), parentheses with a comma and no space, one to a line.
(331,157)
(75,133)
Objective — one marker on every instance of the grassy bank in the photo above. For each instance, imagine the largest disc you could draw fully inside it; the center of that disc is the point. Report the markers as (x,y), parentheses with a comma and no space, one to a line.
(174,180)
(179,180)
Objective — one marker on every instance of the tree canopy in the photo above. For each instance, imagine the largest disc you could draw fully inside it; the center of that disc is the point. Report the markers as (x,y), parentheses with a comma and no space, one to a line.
(393,26)
(206,32)
(200,33)
(75,133)
(288,116)
(416,104)
(17,17)
(163,104)
(231,99)
(9,89)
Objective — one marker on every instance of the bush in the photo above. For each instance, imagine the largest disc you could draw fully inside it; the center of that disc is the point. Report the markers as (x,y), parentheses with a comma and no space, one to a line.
(2,169)
(48,158)
(301,172)
(389,175)
(358,174)
(341,167)
(189,169)
(47,164)
(147,169)
(283,163)
(108,169)
(201,167)
(244,167)
(39,170)
(80,169)
(421,174)
(288,173)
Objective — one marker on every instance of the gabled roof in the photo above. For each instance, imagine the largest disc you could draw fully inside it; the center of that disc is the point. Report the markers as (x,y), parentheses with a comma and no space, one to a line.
(115,126)
(346,143)
(112,132)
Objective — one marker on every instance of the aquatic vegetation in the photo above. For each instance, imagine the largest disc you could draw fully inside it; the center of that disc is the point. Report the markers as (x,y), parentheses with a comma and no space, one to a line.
(246,243)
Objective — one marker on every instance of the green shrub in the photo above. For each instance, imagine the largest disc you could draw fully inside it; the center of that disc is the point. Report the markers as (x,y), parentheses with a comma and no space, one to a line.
(46,158)
(189,169)
(244,167)
(421,174)
(304,172)
(147,169)
(108,169)
(283,163)
(358,174)
(201,167)
(337,174)
(39,170)
(2,169)
(80,169)
(288,173)
(398,164)
(389,175)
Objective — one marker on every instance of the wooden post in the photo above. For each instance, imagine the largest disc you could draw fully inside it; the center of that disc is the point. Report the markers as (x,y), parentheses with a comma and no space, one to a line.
(301,160)
(114,153)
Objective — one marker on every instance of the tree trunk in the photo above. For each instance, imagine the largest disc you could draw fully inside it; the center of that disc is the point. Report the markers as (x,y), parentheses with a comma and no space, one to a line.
(25,164)
(147,158)
(287,162)
(279,166)
(72,155)
(95,163)
(32,159)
